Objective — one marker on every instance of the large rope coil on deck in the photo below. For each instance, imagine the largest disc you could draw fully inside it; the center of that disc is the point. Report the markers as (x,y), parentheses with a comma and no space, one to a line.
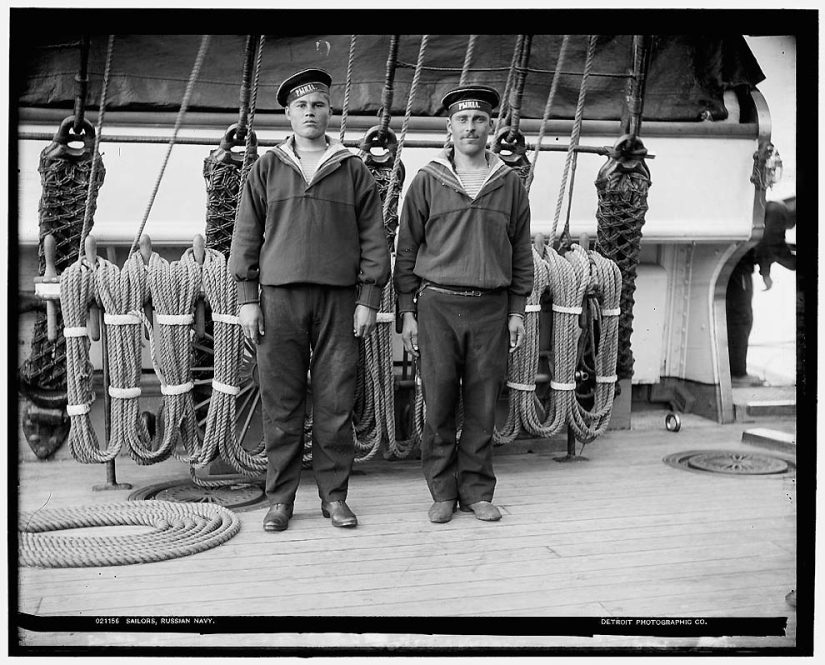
(179,529)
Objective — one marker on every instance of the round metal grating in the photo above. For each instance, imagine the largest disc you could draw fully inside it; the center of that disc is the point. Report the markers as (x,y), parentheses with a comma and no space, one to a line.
(239,497)
(731,462)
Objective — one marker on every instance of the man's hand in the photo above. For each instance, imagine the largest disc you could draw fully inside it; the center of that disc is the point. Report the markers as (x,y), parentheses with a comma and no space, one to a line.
(363,321)
(768,282)
(252,321)
(515,324)
(409,334)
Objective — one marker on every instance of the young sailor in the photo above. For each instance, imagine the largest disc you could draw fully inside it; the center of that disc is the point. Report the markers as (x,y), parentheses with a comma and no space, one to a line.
(310,258)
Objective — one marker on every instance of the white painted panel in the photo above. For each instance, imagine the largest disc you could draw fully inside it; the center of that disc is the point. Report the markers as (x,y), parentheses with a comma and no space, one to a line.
(647,339)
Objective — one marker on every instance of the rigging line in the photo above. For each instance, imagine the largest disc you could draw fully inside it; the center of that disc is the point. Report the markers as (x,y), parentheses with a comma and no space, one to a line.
(243,113)
(95,158)
(247,158)
(551,96)
(515,106)
(574,136)
(502,113)
(405,124)
(387,94)
(82,81)
(348,88)
(184,104)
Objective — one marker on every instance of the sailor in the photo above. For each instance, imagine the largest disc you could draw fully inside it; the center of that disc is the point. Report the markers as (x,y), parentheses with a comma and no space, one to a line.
(463,271)
(310,259)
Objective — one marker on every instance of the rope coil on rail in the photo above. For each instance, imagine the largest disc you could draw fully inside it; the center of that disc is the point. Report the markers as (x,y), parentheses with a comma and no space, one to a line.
(220,292)
(180,529)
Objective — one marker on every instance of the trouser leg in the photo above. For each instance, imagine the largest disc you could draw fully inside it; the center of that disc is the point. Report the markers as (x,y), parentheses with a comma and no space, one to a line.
(283,361)
(334,368)
(440,365)
(485,372)
(739,311)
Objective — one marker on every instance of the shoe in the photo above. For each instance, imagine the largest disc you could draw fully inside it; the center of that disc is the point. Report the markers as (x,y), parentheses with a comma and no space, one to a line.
(277,519)
(484,510)
(339,512)
(748,381)
(441,511)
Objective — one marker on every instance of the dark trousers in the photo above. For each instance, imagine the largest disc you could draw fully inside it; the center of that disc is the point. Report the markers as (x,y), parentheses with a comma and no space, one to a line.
(739,311)
(308,327)
(462,341)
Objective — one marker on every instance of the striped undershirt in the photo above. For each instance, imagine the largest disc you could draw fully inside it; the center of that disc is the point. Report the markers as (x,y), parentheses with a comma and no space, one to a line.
(472,180)
(309,161)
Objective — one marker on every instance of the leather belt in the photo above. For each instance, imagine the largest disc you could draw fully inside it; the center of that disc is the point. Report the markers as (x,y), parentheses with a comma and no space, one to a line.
(458,290)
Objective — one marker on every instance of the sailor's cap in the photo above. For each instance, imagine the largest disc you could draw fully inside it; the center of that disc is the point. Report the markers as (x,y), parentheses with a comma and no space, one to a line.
(302,83)
(470,98)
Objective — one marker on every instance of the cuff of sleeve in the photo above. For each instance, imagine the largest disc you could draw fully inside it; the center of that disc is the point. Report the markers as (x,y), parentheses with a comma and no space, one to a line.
(369,295)
(516,304)
(248,292)
(406,302)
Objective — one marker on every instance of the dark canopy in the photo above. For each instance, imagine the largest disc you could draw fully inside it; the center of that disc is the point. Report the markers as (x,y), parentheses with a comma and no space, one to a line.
(687,75)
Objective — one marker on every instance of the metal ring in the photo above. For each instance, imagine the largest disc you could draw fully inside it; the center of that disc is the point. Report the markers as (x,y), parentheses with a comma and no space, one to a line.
(673,422)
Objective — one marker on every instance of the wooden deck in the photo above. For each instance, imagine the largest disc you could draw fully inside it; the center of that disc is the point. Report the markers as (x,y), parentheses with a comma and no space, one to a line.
(622,534)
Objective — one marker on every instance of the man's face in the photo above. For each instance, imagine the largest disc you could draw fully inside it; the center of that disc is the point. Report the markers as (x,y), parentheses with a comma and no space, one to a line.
(469,131)
(309,115)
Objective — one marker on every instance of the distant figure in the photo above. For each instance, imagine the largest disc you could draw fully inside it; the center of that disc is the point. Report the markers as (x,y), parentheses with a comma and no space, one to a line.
(772,248)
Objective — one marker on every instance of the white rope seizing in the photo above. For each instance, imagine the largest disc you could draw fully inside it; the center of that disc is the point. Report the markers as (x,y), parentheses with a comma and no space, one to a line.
(75,331)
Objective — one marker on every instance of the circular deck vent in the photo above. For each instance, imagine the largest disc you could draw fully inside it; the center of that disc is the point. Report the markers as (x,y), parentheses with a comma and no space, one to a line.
(731,462)
(240,496)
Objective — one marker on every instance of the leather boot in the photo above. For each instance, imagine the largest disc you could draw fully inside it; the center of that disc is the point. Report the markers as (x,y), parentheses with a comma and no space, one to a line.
(277,519)
(441,511)
(484,510)
(339,512)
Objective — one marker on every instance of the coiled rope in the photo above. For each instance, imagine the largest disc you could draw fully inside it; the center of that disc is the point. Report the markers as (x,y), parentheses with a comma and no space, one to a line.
(122,295)
(76,294)
(220,292)
(179,529)
(173,288)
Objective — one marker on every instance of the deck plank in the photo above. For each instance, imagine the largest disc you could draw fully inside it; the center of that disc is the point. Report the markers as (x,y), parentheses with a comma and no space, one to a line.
(620,534)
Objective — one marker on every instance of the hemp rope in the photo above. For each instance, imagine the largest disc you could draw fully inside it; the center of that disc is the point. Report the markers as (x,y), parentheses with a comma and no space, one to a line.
(173,289)
(574,135)
(551,97)
(348,87)
(221,294)
(180,529)
(606,284)
(178,121)
(76,294)
(122,295)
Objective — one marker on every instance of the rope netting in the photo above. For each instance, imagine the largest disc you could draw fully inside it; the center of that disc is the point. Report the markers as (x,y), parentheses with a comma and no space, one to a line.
(622,186)
(177,529)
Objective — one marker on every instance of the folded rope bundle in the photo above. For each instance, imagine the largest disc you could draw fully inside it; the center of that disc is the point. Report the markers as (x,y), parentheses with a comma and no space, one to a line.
(76,294)
(606,285)
(122,295)
(174,291)
(523,363)
(220,292)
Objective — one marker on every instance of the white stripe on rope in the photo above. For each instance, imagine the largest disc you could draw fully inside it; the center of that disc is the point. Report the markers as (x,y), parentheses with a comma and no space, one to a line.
(385,317)
(75,331)
(226,318)
(225,388)
(179,389)
(607,379)
(611,312)
(124,393)
(562,386)
(121,319)
(175,319)
(78,409)
(521,386)
(567,310)
(532,308)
